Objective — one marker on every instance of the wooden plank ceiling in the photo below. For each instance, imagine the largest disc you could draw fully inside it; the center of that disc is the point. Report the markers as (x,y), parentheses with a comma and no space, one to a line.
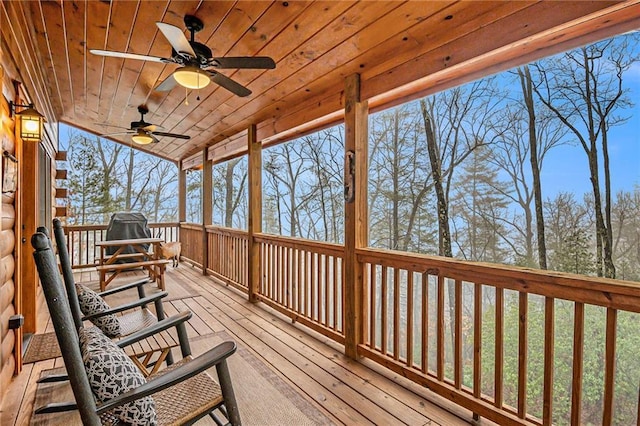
(315,46)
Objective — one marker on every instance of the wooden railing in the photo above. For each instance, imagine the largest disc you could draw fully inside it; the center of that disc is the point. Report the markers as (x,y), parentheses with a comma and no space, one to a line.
(304,280)
(513,345)
(81,240)
(227,256)
(192,243)
(449,325)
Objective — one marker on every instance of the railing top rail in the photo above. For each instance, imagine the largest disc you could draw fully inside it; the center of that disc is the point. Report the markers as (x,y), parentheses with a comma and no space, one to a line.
(299,243)
(593,290)
(96,227)
(217,229)
(189,225)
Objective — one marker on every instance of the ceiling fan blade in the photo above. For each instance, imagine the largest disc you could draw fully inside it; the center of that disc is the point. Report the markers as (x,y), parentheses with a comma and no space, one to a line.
(253,62)
(129,56)
(106,135)
(155,140)
(168,84)
(112,125)
(229,84)
(171,135)
(149,128)
(177,39)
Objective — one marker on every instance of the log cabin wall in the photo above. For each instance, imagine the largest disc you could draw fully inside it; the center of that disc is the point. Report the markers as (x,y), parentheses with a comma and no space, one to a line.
(7,259)
(21,80)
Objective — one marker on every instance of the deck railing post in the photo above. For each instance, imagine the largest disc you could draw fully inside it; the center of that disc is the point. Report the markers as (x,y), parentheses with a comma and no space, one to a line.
(182,194)
(207,206)
(255,212)
(356,216)
(182,201)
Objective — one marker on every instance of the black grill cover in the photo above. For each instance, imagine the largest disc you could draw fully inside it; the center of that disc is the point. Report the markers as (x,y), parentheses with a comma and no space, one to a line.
(125,226)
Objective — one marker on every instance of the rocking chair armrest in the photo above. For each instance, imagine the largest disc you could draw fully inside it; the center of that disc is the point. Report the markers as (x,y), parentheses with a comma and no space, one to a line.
(212,357)
(138,303)
(134,284)
(165,324)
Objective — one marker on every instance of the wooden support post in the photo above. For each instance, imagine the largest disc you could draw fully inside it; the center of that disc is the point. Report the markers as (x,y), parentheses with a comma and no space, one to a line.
(254,150)
(182,194)
(207,207)
(182,199)
(356,217)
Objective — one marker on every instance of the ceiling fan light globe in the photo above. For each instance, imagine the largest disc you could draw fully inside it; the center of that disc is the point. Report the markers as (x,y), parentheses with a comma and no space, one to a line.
(191,77)
(142,139)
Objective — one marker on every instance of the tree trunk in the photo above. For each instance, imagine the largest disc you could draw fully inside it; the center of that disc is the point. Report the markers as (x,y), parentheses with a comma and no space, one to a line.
(129,187)
(444,235)
(228,201)
(527,92)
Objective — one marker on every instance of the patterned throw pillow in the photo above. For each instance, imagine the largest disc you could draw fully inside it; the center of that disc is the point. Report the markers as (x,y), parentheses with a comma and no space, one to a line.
(91,303)
(111,373)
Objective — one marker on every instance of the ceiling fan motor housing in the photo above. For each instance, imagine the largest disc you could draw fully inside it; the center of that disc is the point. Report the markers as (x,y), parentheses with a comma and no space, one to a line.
(193,23)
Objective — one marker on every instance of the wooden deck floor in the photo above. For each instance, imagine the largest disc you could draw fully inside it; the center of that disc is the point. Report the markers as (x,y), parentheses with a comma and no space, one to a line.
(344,391)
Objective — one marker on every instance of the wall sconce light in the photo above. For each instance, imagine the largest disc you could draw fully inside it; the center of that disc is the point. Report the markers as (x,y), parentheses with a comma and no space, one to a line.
(31,122)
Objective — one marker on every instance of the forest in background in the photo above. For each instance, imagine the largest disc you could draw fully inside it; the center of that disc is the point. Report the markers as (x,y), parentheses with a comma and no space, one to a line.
(456,174)
(461,174)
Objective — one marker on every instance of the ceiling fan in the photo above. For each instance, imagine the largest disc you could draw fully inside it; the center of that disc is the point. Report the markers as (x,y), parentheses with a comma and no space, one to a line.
(198,66)
(144,133)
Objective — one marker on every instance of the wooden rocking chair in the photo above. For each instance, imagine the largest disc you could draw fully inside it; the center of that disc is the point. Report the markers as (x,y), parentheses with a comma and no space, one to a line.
(135,315)
(182,393)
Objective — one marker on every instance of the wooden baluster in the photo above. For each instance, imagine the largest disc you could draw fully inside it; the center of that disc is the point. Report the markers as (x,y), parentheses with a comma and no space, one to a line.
(477,340)
(383,310)
(425,323)
(335,292)
(314,286)
(609,366)
(522,354)
(372,305)
(299,283)
(326,286)
(281,275)
(499,348)
(549,345)
(440,341)
(457,344)
(396,313)
(410,318)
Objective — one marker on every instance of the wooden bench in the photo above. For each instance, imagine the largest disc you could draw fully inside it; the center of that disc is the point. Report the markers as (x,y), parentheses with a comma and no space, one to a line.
(139,256)
(156,268)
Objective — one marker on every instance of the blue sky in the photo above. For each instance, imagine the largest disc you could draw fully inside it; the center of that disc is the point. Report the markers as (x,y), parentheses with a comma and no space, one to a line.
(566,168)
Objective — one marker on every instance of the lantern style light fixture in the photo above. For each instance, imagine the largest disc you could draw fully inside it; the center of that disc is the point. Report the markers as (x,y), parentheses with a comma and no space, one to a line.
(142,138)
(31,121)
(191,77)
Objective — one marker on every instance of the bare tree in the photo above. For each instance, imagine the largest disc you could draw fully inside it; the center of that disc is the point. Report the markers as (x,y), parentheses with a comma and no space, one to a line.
(327,208)
(163,196)
(528,134)
(584,89)
(287,172)
(399,180)
(626,234)
(230,192)
(455,124)
(108,155)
